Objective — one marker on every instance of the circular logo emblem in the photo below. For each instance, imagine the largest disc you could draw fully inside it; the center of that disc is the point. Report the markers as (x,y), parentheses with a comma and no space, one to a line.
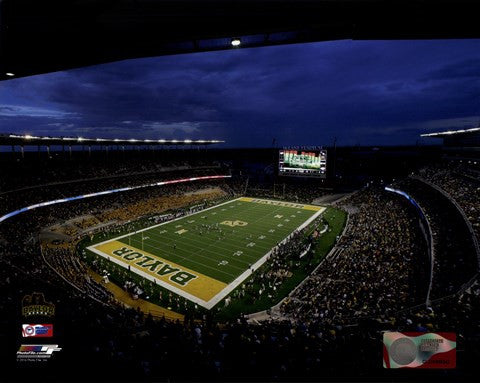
(30,330)
(403,351)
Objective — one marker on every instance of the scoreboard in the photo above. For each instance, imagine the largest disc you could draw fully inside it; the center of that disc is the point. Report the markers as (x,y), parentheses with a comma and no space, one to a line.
(302,163)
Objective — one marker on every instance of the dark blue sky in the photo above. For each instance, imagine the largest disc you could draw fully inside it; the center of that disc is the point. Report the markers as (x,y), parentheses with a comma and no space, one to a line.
(362,92)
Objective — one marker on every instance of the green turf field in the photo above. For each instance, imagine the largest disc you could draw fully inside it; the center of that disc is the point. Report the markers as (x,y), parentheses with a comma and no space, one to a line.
(205,255)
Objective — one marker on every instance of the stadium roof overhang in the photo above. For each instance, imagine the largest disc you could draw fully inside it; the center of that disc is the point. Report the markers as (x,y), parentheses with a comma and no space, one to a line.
(51,35)
(450,133)
(460,138)
(26,140)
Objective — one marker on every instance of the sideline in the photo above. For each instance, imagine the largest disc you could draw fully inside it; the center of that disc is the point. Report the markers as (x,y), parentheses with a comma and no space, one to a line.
(274,312)
(124,297)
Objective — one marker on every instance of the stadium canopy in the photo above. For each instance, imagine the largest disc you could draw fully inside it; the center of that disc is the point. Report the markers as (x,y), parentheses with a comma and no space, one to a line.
(51,35)
(458,138)
(26,140)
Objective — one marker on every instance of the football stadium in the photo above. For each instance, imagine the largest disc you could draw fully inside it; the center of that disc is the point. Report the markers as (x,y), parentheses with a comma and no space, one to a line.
(220,191)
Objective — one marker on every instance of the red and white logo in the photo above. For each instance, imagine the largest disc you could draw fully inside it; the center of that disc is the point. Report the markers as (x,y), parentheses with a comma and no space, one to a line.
(37,330)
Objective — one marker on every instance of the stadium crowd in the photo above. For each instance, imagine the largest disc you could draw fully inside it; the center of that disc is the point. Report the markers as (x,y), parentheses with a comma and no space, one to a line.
(455,258)
(463,186)
(41,170)
(283,260)
(11,201)
(378,267)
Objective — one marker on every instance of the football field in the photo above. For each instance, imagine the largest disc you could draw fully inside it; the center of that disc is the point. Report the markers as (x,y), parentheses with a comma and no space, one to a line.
(206,255)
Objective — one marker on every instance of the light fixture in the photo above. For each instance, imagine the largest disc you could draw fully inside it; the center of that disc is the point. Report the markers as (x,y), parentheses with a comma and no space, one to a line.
(236,42)
(10,74)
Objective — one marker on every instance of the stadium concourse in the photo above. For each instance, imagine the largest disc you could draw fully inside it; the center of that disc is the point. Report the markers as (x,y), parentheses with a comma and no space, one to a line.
(377,277)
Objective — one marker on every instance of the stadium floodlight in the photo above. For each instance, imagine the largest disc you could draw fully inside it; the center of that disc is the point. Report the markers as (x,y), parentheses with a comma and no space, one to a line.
(96,141)
(10,74)
(235,42)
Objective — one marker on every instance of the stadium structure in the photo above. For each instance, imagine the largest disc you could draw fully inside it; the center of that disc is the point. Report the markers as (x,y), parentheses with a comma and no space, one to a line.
(178,259)
(201,237)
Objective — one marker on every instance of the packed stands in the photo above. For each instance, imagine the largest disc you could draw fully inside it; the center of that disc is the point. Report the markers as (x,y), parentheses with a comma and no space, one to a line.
(378,268)
(455,258)
(462,185)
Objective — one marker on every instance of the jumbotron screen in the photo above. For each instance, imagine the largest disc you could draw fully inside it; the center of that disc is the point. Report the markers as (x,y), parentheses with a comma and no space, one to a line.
(303,163)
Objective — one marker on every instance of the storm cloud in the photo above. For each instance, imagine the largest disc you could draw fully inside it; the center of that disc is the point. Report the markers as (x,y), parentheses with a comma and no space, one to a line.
(361,92)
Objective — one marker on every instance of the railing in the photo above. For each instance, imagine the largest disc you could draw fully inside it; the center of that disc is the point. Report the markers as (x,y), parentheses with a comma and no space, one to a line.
(429,237)
(66,280)
(460,209)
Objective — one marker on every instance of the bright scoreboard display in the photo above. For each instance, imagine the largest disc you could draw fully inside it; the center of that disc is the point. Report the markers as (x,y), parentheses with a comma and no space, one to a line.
(303,163)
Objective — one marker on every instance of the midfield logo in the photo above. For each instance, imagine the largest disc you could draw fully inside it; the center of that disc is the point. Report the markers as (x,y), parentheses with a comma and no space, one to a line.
(234,223)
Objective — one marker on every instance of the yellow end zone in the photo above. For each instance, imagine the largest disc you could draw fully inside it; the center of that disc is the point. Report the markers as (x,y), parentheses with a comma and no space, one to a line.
(282,203)
(200,285)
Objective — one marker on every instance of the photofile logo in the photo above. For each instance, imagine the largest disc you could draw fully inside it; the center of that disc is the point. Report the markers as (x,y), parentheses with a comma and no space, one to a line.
(37,330)
(419,350)
(36,352)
